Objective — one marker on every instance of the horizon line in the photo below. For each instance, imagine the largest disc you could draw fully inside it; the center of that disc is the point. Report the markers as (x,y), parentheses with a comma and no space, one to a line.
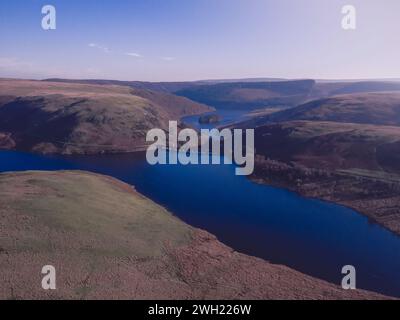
(253,79)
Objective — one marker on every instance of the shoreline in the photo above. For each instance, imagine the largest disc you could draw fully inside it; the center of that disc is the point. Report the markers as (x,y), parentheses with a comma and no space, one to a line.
(203,250)
(254,178)
(393,228)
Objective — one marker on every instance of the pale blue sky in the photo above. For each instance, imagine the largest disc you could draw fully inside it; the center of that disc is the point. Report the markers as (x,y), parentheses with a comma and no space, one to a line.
(170,40)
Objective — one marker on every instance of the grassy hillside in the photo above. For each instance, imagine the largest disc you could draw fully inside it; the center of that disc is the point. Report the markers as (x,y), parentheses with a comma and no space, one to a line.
(237,94)
(326,89)
(253,93)
(321,88)
(250,95)
(330,145)
(166,87)
(370,108)
(83,118)
(107,241)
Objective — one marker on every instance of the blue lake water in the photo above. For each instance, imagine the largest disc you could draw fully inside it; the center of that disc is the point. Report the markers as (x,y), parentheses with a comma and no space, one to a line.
(311,236)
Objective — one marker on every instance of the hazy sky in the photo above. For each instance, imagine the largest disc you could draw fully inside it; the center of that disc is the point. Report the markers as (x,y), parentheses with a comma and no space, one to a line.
(169,40)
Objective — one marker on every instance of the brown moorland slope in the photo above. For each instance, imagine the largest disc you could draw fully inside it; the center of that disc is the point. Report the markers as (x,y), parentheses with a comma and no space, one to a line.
(320,89)
(379,108)
(323,89)
(250,95)
(83,118)
(107,241)
(369,108)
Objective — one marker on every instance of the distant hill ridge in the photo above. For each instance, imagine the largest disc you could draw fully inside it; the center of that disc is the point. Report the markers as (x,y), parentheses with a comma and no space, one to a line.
(254,93)
(368,108)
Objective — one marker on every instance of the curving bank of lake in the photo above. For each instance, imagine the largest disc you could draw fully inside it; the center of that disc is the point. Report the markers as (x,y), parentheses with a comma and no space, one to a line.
(309,235)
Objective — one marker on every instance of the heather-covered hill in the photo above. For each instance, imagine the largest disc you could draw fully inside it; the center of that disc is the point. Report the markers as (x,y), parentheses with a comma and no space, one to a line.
(250,95)
(327,89)
(377,108)
(244,94)
(55,117)
(369,108)
(331,145)
(108,241)
(166,87)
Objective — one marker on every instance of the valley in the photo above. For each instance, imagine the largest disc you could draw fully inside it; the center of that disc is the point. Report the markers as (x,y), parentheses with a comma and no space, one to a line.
(342,149)
(206,151)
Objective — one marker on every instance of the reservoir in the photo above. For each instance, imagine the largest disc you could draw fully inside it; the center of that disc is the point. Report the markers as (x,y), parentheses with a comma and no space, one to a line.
(312,236)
